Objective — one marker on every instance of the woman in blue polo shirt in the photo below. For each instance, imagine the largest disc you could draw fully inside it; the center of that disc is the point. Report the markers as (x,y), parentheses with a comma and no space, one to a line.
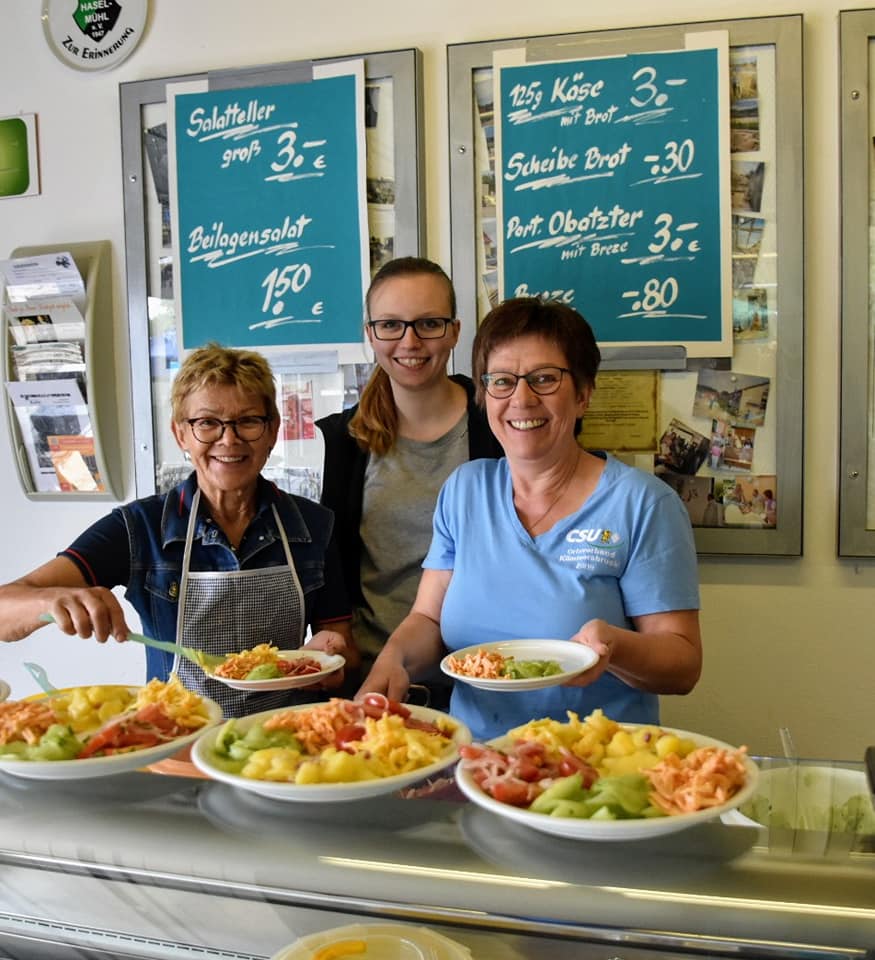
(221,563)
(551,541)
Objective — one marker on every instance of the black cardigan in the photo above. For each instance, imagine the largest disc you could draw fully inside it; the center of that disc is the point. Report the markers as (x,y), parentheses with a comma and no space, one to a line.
(343,479)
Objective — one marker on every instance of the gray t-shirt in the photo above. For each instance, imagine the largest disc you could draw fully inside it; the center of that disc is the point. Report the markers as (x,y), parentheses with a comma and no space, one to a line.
(397,507)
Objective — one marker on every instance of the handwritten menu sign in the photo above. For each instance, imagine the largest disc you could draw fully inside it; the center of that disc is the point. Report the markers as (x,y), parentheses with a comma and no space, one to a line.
(611,190)
(271,215)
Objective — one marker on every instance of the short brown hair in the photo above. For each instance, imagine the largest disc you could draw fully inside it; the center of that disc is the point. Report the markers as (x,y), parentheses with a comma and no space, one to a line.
(215,365)
(550,319)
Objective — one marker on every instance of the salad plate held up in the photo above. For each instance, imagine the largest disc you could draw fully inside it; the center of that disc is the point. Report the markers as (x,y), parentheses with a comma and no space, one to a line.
(587,813)
(334,751)
(97,731)
(268,668)
(511,665)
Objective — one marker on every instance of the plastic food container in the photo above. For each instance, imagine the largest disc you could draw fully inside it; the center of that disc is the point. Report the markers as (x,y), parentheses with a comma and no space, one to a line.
(822,797)
(381,941)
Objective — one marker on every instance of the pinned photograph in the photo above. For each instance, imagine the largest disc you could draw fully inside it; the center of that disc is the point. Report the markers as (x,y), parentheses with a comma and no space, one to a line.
(750,314)
(747,234)
(747,185)
(744,117)
(681,449)
(738,448)
(693,491)
(738,398)
(297,412)
(490,243)
(748,501)
(743,270)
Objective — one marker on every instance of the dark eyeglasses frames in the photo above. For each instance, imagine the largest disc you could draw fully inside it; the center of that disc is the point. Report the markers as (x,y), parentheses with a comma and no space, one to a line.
(426,328)
(543,381)
(211,429)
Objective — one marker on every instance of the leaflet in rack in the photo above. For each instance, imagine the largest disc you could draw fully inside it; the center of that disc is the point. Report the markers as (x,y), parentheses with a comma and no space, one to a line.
(46,335)
(56,433)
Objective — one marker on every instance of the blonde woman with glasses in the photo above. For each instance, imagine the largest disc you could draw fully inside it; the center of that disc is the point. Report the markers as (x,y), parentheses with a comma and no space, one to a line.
(221,563)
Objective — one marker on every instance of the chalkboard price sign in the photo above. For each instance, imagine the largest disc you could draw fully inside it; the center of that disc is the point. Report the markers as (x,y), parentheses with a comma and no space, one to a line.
(610,193)
(270,213)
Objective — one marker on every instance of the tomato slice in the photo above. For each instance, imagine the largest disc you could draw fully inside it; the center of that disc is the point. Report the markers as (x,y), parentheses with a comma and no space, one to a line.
(348,735)
(377,705)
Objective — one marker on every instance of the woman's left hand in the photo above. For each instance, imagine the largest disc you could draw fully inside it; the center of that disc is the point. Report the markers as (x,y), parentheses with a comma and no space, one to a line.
(328,641)
(601,637)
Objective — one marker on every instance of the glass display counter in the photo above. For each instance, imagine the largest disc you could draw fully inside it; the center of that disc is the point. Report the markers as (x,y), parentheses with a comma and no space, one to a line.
(152,866)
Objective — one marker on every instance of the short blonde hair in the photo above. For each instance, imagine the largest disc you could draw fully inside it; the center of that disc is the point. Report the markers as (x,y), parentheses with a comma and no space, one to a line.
(215,365)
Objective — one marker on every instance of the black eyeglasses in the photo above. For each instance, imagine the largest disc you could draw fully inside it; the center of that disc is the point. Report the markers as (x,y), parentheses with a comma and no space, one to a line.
(211,429)
(543,381)
(426,328)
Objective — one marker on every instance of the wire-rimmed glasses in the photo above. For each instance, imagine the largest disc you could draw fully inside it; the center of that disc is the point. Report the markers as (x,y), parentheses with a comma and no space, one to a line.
(211,429)
(426,328)
(543,381)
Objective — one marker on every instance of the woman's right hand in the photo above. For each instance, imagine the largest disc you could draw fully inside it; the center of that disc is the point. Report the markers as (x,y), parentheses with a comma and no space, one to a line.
(387,676)
(87,611)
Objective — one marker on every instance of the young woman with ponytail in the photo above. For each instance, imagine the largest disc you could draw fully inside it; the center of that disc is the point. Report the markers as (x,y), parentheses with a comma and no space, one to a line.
(387,457)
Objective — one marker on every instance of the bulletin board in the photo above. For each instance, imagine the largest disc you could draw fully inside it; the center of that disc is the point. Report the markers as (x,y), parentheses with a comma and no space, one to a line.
(857,436)
(317,374)
(722,424)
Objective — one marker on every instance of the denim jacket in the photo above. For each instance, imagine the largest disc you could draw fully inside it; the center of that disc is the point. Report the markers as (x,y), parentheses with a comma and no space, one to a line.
(140,546)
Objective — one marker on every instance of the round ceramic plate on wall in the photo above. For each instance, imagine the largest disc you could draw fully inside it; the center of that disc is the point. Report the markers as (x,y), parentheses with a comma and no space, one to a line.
(93,34)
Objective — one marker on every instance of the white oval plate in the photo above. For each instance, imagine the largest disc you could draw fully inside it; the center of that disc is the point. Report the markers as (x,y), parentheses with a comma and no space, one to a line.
(383,941)
(331,662)
(320,792)
(106,766)
(574,658)
(581,829)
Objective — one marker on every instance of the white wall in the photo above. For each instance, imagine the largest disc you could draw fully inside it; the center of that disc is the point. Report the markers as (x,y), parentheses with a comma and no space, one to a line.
(787,641)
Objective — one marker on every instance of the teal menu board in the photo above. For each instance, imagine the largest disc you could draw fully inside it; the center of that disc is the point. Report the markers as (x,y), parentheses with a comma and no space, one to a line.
(613,175)
(270,213)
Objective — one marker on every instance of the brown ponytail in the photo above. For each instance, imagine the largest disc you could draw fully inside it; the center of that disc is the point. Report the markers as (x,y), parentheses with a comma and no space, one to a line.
(375,424)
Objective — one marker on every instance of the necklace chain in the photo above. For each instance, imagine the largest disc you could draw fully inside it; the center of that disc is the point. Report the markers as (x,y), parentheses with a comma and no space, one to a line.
(565,485)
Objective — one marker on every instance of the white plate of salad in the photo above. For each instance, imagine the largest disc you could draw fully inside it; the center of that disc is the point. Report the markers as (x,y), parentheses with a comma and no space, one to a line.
(605,804)
(82,732)
(334,751)
(511,665)
(378,941)
(268,668)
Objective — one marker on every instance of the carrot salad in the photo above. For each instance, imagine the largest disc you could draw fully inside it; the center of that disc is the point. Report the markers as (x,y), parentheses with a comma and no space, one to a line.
(25,720)
(318,726)
(707,777)
(482,663)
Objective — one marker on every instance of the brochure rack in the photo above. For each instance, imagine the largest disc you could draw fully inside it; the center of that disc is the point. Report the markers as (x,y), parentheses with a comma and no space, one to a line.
(93,260)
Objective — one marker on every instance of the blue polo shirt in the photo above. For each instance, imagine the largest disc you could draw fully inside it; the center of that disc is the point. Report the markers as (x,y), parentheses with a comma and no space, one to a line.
(140,546)
(627,552)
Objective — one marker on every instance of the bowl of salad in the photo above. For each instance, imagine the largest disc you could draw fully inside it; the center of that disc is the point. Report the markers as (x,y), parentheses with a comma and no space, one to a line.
(511,665)
(95,731)
(333,751)
(596,779)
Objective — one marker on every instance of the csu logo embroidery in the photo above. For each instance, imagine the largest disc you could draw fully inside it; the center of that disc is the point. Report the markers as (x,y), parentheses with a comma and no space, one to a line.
(597,536)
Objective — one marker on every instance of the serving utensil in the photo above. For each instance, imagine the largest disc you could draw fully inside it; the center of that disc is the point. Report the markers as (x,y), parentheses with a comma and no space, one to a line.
(195,656)
(39,674)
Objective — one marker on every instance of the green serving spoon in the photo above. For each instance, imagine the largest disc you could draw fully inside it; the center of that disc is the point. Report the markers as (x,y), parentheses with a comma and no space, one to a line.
(207,660)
